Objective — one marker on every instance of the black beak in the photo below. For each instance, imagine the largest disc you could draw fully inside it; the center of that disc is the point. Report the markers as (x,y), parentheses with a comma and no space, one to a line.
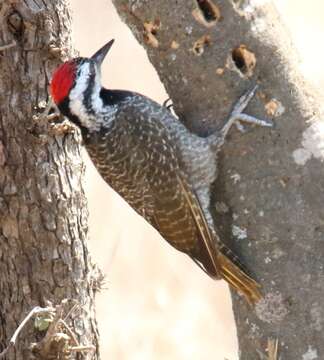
(99,56)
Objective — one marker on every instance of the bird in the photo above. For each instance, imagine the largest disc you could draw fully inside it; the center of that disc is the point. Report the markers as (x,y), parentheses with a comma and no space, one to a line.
(154,162)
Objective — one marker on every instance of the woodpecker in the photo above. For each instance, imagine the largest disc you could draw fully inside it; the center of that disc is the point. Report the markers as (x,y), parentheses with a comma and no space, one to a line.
(154,162)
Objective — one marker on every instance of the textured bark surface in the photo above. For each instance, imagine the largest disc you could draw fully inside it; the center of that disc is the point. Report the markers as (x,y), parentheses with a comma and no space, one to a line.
(43,212)
(207,53)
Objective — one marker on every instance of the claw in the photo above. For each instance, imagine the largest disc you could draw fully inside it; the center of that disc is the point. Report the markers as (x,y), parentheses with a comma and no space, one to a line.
(240,127)
(236,118)
(165,103)
(244,100)
(237,115)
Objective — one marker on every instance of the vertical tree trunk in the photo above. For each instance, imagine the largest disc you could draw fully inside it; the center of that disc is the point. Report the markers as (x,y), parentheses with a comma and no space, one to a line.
(207,53)
(43,211)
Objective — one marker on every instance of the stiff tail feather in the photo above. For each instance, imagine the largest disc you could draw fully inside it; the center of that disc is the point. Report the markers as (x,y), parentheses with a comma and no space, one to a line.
(211,258)
(238,279)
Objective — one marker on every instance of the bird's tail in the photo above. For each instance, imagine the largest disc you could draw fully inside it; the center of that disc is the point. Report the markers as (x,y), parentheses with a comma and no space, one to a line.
(238,279)
(221,262)
(213,257)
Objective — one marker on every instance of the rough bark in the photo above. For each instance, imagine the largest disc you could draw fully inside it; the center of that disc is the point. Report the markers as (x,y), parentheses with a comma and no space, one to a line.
(43,212)
(207,53)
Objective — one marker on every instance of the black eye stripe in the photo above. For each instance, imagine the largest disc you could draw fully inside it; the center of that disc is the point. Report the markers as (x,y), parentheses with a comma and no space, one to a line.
(92,69)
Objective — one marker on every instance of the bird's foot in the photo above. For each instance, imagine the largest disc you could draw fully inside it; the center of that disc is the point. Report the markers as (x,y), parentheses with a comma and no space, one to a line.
(46,112)
(62,128)
(237,116)
(168,104)
(49,114)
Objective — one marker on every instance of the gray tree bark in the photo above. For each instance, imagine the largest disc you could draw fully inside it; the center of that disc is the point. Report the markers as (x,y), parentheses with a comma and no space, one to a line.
(43,212)
(207,53)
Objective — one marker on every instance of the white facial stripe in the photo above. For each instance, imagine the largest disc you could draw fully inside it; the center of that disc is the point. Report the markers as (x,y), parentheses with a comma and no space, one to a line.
(81,82)
(101,113)
(96,100)
(77,95)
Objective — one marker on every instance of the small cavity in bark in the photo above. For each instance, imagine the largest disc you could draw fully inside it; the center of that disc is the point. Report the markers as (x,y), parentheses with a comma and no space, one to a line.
(200,44)
(220,71)
(174,45)
(150,32)
(274,108)
(207,13)
(244,60)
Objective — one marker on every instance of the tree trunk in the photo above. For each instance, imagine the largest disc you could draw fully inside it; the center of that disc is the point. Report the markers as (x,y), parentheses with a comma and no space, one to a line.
(43,212)
(207,53)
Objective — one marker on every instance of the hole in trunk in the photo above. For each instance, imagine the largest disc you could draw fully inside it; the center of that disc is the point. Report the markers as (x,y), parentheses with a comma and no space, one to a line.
(200,44)
(244,60)
(207,13)
(208,10)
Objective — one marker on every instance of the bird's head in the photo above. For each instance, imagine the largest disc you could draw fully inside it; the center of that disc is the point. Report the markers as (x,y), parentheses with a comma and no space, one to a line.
(74,76)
